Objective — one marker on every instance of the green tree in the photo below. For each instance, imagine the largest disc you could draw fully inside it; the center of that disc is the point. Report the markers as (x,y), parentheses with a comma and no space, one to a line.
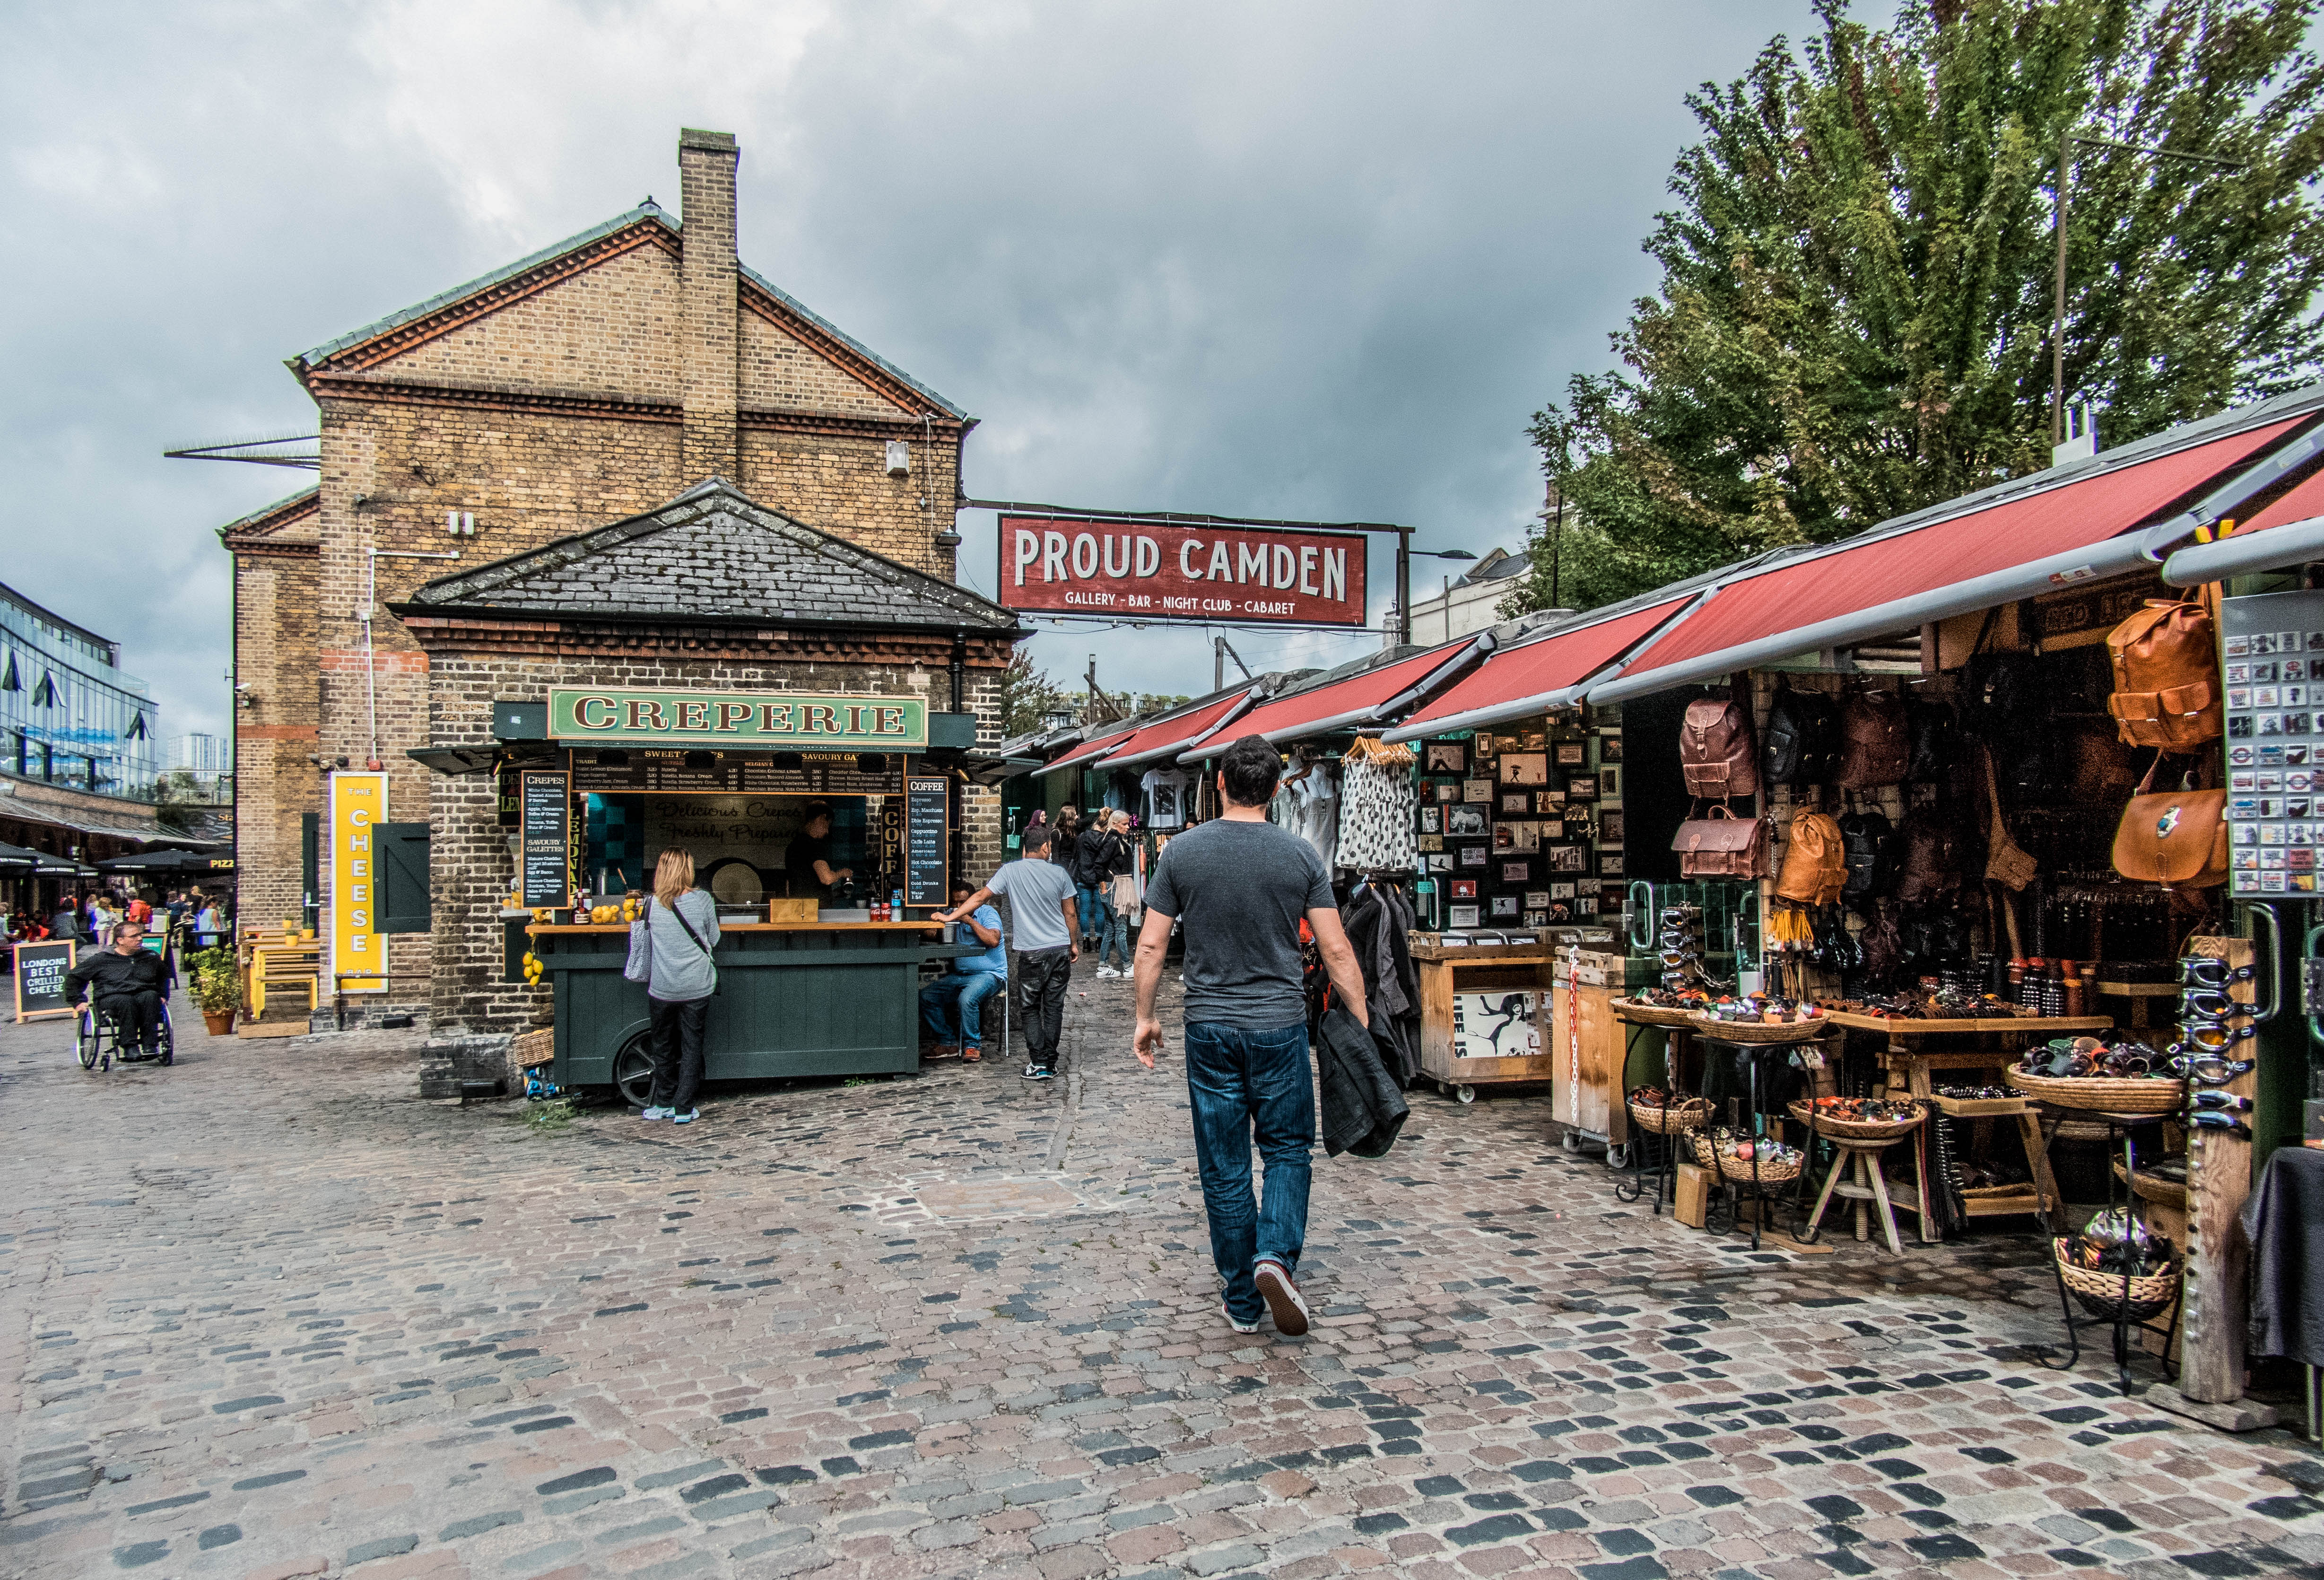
(1027,695)
(1853,318)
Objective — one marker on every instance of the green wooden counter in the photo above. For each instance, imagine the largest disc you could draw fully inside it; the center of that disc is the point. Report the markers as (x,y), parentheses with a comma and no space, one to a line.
(794,999)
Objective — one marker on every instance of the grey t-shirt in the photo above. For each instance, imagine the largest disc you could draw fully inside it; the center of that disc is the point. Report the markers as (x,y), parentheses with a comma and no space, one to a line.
(1238,891)
(1036,892)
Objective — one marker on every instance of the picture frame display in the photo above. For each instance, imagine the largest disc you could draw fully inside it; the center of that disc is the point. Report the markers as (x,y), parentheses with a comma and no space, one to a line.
(1447,790)
(1431,842)
(1538,899)
(1516,871)
(1479,790)
(1515,803)
(1609,783)
(1609,828)
(1461,916)
(1465,822)
(1476,855)
(1505,907)
(1464,888)
(1610,747)
(1572,753)
(1549,802)
(1582,787)
(1567,858)
(1525,768)
(1444,757)
(1610,864)
(1431,819)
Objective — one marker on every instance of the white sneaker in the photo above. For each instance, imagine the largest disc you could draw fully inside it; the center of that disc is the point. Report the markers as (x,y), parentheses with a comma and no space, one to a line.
(1238,1326)
(1107,971)
(1284,1301)
(657,1113)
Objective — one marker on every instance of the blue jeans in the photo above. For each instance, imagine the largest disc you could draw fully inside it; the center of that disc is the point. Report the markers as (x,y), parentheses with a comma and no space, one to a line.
(1091,908)
(970,989)
(1245,1086)
(1114,939)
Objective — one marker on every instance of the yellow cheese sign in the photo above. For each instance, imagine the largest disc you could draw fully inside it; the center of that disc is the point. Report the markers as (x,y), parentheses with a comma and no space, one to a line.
(358,950)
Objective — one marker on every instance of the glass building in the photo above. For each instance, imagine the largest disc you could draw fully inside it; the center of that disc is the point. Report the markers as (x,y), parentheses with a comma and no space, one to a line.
(67,715)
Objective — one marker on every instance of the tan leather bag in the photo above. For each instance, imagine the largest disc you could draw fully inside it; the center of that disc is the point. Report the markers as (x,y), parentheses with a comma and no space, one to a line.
(1722,845)
(1716,754)
(2178,839)
(1815,859)
(2166,675)
(2006,860)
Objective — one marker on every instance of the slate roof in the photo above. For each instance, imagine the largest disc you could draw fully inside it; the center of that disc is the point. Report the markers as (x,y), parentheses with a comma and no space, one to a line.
(711,554)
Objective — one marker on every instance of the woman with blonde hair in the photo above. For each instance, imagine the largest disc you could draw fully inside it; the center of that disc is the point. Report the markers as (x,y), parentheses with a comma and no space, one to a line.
(676,937)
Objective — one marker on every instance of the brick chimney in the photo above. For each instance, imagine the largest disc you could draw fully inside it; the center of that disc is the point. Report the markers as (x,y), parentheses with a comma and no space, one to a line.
(707,271)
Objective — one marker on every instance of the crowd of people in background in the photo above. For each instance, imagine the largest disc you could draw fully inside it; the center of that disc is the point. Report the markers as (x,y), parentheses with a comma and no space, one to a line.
(90,916)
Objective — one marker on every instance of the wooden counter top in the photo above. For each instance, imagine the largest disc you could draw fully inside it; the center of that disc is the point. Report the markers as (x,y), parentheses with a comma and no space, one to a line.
(755,927)
(1898,1026)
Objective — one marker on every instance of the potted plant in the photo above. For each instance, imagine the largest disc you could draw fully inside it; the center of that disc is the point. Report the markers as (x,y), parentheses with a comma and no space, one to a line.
(216,988)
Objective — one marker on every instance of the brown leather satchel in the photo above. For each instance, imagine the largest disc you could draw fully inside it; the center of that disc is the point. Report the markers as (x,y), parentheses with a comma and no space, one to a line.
(1930,871)
(1815,859)
(1876,740)
(2178,839)
(2166,661)
(1722,845)
(1716,755)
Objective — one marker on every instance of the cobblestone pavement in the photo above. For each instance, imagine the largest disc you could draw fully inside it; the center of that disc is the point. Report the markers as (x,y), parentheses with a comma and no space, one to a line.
(268,1314)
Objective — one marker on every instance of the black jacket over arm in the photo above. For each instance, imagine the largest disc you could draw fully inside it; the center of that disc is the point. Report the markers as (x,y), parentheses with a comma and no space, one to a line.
(111,973)
(1362,1108)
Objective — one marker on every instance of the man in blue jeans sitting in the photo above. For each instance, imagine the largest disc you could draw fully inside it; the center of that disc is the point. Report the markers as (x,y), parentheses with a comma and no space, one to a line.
(973,979)
(1242,886)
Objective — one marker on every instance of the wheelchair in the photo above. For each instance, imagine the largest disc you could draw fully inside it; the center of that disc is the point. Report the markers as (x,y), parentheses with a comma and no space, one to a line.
(97,1039)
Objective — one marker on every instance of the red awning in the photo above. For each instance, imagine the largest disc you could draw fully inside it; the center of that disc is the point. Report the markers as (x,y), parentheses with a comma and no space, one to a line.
(1085,754)
(2304,503)
(1359,699)
(1535,676)
(1171,736)
(2018,545)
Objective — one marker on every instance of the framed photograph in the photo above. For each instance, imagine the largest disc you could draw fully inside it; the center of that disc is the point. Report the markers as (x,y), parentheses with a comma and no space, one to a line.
(1610,783)
(1572,753)
(1516,871)
(1465,822)
(1610,747)
(1474,855)
(1463,888)
(1461,916)
(1525,768)
(1444,757)
(1585,905)
(1440,860)
(1505,837)
(1549,802)
(1431,842)
(1609,828)
(1447,790)
(1431,819)
(1536,900)
(1515,803)
(1505,907)
(1480,791)
(1610,864)
(1525,837)
(1558,891)
(1582,787)
(1533,740)
(1567,858)
(1537,918)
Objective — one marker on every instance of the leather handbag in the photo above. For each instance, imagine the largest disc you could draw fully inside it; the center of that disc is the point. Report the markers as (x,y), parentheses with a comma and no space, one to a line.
(1876,740)
(2166,675)
(2006,862)
(1933,735)
(1717,756)
(1722,845)
(1815,859)
(2178,839)
(1930,870)
(1865,835)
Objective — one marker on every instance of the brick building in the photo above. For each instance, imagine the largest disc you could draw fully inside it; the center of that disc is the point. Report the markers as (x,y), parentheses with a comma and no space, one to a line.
(605,380)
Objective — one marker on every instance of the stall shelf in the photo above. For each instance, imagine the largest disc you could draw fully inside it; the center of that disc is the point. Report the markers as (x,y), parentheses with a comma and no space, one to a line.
(794,999)
(1446,970)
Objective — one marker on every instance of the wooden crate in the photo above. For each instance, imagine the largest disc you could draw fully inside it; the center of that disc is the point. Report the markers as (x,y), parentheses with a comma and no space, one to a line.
(1458,970)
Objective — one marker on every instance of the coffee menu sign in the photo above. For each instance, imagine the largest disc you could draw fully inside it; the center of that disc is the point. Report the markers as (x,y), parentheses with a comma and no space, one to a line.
(764,720)
(1180,571)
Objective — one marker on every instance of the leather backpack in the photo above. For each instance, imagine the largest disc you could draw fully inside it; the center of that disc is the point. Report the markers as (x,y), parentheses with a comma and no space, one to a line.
(1935,739)
(1876,740)
(1929,869)
(1717,756)
(1866,838)
(2166,676)
(1815,859)
(1787,740)
(2178,839)
(1722,845)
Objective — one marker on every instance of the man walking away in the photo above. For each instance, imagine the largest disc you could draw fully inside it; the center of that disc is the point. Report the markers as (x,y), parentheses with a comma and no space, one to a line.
(126,980)
(1242,886)
(963,989)
(1041,904)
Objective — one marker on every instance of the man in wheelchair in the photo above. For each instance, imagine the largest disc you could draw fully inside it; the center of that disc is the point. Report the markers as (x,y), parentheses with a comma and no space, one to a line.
(124,980)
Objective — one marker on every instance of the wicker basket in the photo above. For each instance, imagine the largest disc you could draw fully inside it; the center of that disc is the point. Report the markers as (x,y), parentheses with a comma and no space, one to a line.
(2101,1293)
(1855,1130)
(1639,1014)
(1756,1030)
(1739,1170)
(2162,1193)
(1687,1114)
(2102,1094)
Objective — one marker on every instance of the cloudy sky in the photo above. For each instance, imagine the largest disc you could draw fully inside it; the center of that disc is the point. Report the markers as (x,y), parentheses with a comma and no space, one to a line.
(1296,260)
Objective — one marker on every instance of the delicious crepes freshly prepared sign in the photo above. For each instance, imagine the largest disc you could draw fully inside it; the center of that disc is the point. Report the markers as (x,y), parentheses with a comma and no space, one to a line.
(1177,571)
(765,720)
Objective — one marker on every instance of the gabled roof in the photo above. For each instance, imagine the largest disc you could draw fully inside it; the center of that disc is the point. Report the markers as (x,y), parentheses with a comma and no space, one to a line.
(274,518)
(711,554)
(646,224)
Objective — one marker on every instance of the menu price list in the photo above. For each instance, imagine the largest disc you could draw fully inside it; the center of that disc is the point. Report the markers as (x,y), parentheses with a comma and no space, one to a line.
(548,816)
(734,774)
(2273,657)
(925,837)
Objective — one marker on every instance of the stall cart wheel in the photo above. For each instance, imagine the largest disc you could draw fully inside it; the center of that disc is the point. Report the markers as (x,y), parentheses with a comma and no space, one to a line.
(1466,1094)
(1572,1141)
(634,1070)
(1617,1157)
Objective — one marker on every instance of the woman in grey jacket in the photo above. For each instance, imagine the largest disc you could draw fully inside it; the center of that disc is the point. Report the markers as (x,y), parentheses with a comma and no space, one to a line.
(680,926)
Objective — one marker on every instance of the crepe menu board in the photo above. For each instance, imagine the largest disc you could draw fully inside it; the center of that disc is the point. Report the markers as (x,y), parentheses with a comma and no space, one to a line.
(813,774)
(925,838)
(548,813)
(2272,650)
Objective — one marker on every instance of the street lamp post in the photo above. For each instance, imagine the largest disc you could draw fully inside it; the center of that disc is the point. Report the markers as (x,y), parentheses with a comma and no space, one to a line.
(1405,555)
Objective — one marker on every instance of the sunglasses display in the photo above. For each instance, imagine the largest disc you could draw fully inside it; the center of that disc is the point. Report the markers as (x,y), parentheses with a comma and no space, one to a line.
(2210,971)
(2218,1103)
(2211,1036)
(2234,1127)
(2215,1072)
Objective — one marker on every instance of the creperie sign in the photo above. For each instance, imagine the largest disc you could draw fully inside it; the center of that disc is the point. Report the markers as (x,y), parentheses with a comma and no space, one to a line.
(1173,571)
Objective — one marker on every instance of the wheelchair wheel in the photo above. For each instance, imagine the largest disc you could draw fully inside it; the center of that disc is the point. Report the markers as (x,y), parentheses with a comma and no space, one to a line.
(85,1039)
(169,1040)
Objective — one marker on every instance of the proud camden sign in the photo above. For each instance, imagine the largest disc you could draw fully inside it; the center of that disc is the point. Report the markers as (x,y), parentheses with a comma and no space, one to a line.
(1167,570)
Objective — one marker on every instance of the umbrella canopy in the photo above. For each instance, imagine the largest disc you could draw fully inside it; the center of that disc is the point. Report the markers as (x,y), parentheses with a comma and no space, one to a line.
(15,857)
(156,860)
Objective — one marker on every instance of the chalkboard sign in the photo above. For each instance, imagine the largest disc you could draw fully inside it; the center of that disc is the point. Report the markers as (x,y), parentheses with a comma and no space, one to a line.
(926,842)
(548,822)
(40,972)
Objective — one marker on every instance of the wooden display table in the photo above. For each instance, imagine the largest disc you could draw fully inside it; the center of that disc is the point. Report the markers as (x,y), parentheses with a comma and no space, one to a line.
(1908,1063)
(1506,968)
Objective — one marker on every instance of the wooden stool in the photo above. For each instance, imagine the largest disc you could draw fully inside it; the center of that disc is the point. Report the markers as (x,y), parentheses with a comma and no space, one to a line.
(1870,1189)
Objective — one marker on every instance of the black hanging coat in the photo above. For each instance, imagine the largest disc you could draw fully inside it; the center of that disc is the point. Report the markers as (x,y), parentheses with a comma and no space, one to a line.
(1362,1108)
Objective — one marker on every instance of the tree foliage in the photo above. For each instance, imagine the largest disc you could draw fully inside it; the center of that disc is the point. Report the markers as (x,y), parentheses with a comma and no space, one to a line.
(1027,695)
(1854,318)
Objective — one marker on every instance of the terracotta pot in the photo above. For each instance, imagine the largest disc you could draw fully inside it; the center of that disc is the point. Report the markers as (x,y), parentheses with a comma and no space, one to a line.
(219,1021)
